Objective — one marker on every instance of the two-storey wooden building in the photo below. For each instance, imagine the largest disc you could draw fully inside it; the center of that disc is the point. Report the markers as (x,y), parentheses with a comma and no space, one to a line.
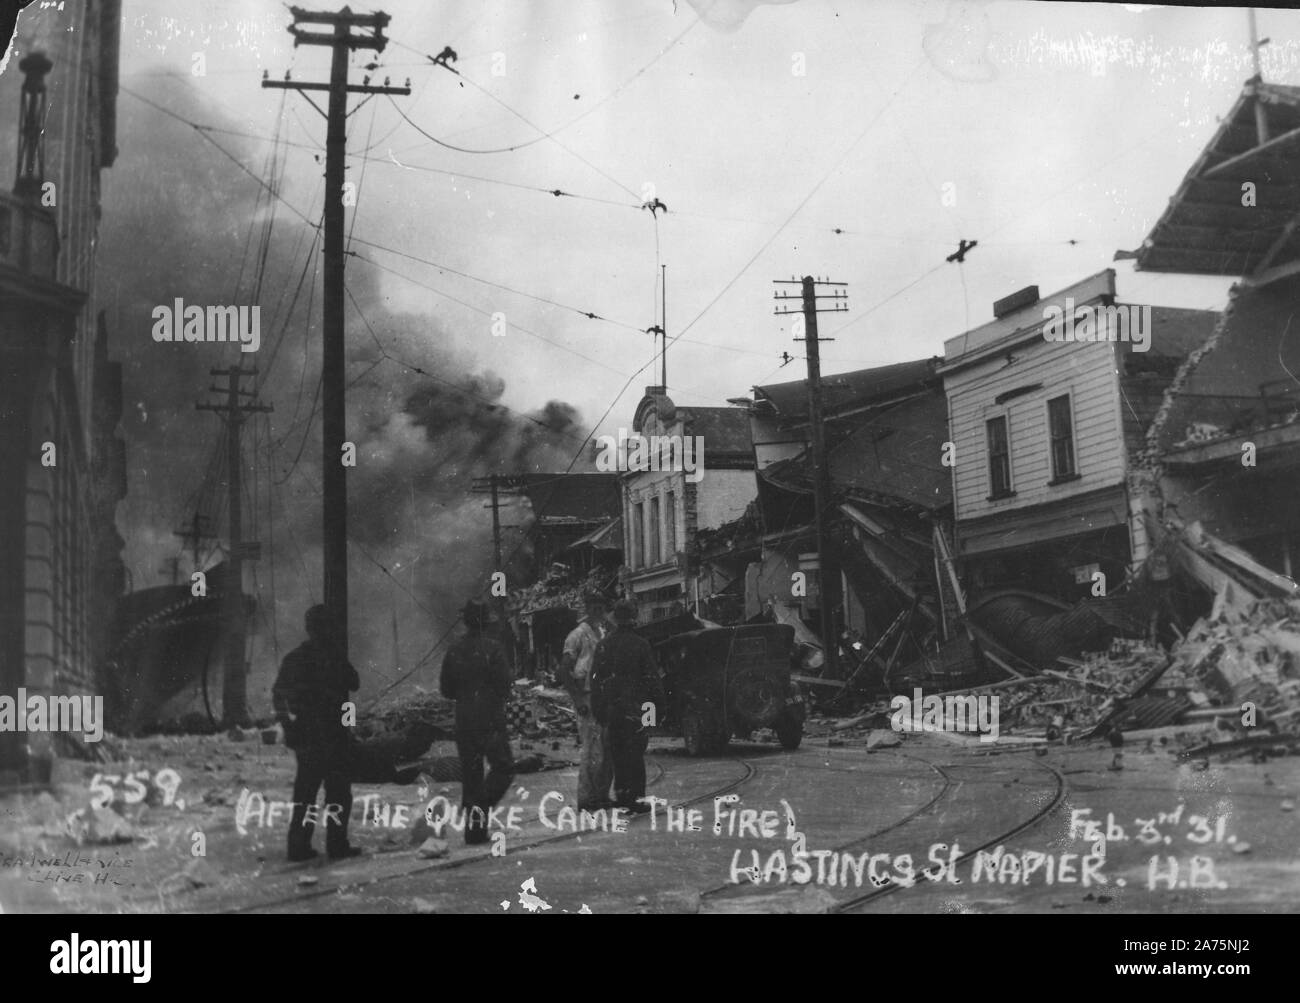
(1043,431)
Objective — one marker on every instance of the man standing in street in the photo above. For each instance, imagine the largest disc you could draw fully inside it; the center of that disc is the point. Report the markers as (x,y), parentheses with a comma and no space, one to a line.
(476,674)
(596,770)
(627,697)
(314,682)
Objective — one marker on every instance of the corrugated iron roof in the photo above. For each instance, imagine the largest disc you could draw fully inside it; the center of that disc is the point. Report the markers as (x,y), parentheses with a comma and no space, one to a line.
(1206,229)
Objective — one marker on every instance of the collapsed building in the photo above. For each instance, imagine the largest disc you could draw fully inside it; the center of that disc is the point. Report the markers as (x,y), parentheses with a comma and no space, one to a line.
(1223,451)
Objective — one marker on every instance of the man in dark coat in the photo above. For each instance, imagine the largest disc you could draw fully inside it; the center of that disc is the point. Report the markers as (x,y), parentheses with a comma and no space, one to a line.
(476,674)
(624,680)
(314,682)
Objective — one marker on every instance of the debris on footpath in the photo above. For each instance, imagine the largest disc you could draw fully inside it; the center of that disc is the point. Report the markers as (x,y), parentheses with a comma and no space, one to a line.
(1229,687)
(100,827)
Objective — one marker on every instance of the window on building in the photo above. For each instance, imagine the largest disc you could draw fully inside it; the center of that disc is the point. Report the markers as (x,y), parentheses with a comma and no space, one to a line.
(638,535)
(999,458)
(652,546)
(670,526)
(1061,428)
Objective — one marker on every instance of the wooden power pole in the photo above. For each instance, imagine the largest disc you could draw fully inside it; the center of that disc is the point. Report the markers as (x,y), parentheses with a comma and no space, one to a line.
(827,559)
(233,411)
(342,42)
(194,534)
(495,485)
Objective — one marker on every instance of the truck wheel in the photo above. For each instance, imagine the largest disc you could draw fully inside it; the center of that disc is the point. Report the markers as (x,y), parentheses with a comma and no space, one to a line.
(789,731)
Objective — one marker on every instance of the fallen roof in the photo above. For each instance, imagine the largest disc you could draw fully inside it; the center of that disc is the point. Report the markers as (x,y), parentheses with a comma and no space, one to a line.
(1206,228)
(844,391)
(605,537)
(885,460)
(571,497)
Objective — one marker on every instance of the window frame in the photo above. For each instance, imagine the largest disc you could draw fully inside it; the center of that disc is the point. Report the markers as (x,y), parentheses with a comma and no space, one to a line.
(1010,491)
(670,524)
(654,536)
(1073,473)
(638,535)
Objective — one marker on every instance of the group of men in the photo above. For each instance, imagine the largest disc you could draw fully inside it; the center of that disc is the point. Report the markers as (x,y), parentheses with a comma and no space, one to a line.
(614,682)
(609,672)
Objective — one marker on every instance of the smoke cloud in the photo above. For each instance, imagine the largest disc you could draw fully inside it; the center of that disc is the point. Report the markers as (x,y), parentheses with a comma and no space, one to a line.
(425,421)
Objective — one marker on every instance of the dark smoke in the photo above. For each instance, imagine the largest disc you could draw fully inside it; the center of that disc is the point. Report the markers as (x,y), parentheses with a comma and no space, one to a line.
(176,223)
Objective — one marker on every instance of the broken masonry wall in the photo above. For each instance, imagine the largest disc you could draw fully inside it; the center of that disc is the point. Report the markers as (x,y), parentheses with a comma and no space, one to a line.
(1256,342)
(1145,476)
(723,496)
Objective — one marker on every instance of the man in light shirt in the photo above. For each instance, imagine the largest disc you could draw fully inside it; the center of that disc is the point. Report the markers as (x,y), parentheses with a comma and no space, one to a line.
(596,770)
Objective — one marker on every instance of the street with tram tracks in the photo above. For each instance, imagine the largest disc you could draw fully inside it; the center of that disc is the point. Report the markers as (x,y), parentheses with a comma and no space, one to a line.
(883,822)
(928,826)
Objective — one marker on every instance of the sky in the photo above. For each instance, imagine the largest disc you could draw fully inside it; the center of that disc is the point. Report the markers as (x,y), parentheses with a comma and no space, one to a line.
(1062,129)
(857,142)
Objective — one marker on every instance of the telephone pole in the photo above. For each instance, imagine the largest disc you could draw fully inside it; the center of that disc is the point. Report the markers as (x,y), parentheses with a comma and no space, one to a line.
(194,534)
(494,485)
(234,692)
(827,559)
(334,491)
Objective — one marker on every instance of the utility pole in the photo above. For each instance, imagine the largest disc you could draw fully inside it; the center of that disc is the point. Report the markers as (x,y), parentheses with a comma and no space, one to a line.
(194,534)
(660,330)
(496,524)
(1256,43)
(663,326)
(827,559)
(494,486)
(234,693)
(334,491)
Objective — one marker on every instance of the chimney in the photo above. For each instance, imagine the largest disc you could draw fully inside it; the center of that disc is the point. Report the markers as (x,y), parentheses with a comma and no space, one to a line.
(31,122)
(1027,296)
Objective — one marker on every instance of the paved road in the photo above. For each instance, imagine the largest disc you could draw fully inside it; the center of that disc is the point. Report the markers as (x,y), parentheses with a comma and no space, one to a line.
(997,832)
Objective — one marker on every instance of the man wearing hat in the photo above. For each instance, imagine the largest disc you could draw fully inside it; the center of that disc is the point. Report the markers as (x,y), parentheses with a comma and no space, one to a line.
(314,682)
(596,770)
(626,693)
(476,674)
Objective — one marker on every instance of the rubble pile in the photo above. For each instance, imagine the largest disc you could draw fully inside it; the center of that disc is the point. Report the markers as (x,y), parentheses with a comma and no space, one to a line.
(405,731)
(1226,660)
(1250,657)
(1079,696)
(548,712)
(559,588)
(1200,431)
